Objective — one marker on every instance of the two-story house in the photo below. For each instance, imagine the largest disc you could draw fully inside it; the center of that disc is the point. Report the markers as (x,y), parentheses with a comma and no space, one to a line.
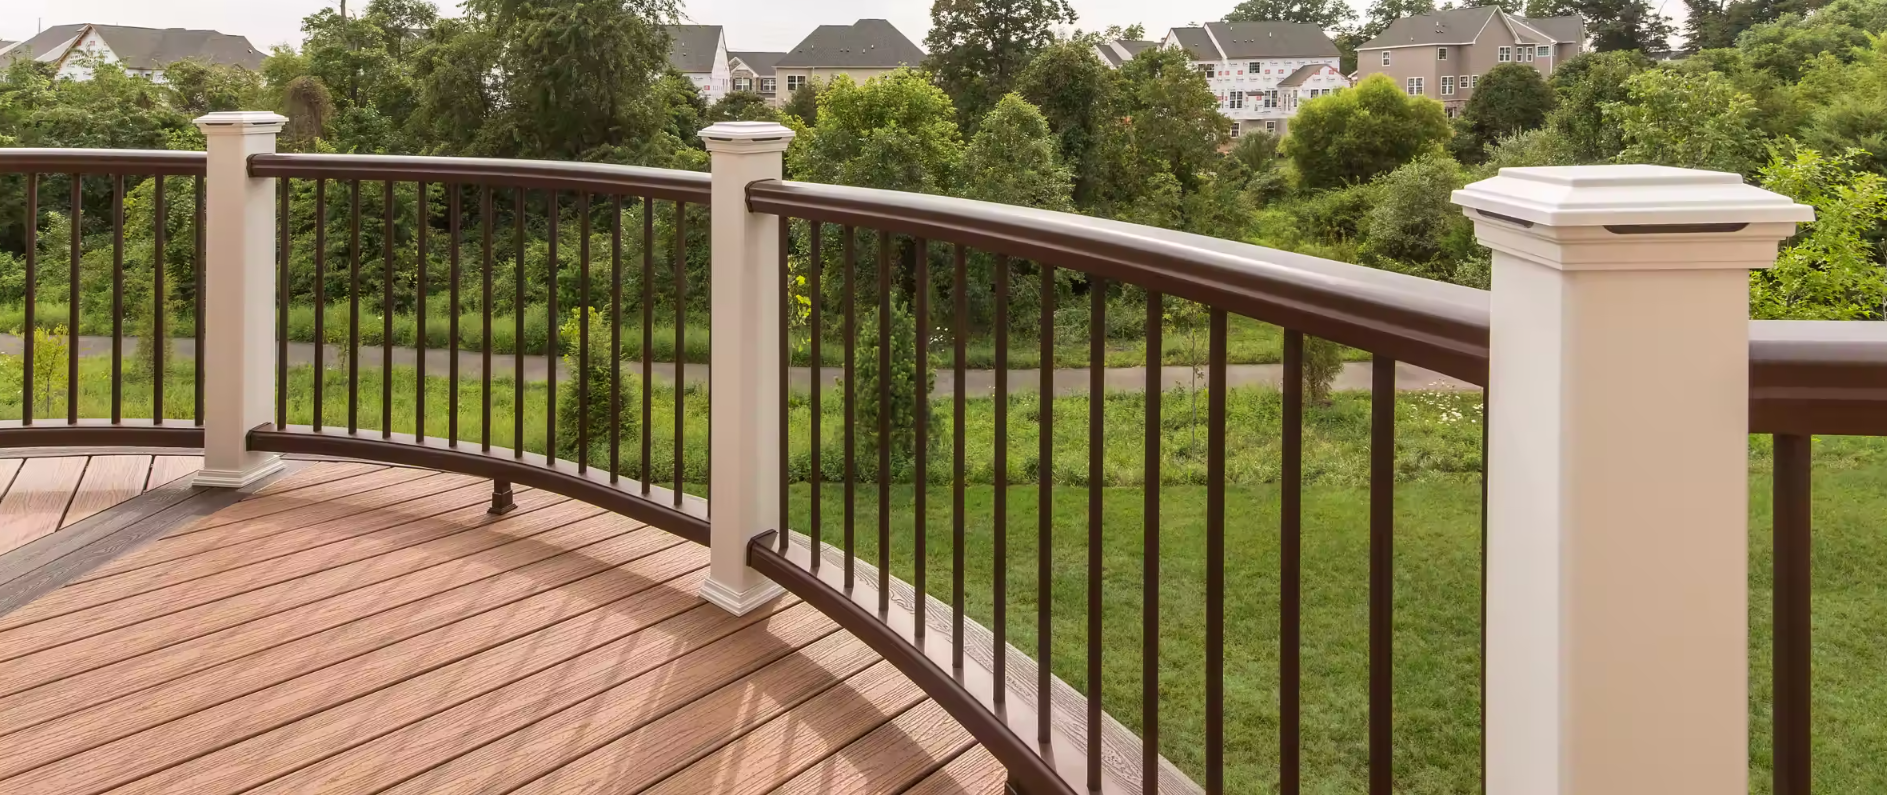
(864,49)
(754,72)
(1249,64)
(1443,55)
(141,52)
(700,53)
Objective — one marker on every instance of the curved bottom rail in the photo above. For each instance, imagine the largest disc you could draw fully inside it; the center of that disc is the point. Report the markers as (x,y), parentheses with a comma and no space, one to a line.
(592,485)
(1059,765)
(100,433)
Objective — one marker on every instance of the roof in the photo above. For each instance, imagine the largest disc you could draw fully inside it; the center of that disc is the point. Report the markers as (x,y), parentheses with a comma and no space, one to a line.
(1271,40)
(760,62)
(692,48)
(145,48)
(1303,73)
(1458,26)
(1567,29)
(1120,51)
(865,44)
(1197,44)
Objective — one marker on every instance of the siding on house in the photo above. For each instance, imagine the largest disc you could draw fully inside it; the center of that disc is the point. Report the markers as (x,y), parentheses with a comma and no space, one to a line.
(1472,39)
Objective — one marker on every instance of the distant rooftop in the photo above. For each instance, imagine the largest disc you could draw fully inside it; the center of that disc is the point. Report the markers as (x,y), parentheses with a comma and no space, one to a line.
(865,44)
(142,48)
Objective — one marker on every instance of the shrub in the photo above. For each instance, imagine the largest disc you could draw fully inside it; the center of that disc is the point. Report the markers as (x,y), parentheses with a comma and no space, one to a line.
(1323,360)
(904,380)
(592,384)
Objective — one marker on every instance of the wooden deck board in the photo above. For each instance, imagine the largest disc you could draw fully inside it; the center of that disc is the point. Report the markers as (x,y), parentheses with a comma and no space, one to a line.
(167,468)
(108,480)
(38,497)
(408,642)
(974,772)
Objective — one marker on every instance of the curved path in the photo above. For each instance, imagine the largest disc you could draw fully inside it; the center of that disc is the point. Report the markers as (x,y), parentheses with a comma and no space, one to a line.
(978,383)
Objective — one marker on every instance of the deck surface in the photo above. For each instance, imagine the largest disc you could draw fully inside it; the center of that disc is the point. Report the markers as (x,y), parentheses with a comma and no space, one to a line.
(40,495)
(353,628)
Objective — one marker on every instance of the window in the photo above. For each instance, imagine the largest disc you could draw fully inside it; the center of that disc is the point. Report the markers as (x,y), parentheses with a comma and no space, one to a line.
(1237,101)
(1254,66)
(1205,69)
(1414,87)
(1526,53)
(1474,81)
(1441,53)
(767,85)
(1385,57)
(1453,111)
(1234,129)
(743,84)
(1271,98)
(1447,85)
(1461,83)
(1543,51)
(1271,126)
(1506,54)
(795,82)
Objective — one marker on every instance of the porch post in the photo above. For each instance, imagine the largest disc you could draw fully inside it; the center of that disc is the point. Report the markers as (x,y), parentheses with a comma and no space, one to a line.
(1617,596)
(744,483)
(239,298)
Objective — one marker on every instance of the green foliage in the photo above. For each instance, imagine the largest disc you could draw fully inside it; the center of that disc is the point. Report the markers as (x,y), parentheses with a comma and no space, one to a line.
(1829,270)
(1173,115)
(896,131)
(1585,84)
(1015,159)
(585,394)
(1358,133)
(1323,361)
(1415,225)
(1511,98)
(198,87)
(1614,24)
(1688,121)
(803,104)
(741,106)
(1325,14)
(978,48)
(1077,95)
(1383,12)
(906,375)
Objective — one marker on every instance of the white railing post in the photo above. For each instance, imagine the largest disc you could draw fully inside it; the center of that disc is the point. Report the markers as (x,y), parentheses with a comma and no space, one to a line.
(744,484)
(1617,568)
(239,297)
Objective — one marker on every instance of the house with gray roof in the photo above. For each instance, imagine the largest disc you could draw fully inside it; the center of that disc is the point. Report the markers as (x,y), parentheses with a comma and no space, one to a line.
(141,52)
(754,71)
(700,53)
(863,50)
(1247,64)
(1443,55)
(1115,53)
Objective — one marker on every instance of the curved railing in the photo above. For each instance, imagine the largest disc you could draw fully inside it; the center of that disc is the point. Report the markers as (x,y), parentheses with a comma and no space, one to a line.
(1805,378)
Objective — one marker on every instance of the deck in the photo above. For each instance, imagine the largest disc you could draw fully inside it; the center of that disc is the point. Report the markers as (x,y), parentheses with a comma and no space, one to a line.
(353,628)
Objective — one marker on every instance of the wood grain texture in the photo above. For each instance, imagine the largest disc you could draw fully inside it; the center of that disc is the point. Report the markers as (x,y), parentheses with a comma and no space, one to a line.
(37,499)
(886,761)
(166,469)
(317,474)
(506,748)
(653,751)
(95,650)
(327,486)
(108,480)
(973,772)
(9,467)
(780,749)
(454,622)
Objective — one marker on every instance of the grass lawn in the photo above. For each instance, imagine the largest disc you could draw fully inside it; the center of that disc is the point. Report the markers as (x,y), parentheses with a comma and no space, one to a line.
(1437,561)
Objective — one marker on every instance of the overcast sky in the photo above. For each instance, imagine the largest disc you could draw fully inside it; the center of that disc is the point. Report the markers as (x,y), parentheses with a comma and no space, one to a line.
(750,24)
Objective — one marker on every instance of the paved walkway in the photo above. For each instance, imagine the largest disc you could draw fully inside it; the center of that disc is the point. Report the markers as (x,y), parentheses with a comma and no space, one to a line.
(977,383)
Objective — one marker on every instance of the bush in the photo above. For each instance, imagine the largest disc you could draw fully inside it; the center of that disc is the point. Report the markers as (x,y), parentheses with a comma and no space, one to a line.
(904,381)
(592,384)
(1323,360)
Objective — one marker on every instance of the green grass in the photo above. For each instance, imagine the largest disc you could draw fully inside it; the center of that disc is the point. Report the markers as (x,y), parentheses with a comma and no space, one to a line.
(1437,564)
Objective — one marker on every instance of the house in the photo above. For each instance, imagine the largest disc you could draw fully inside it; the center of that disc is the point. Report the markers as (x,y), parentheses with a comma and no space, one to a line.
(700,53)
(754,71)
(864,49)
(141,52)
(1119,51)
(1248,63)
(1443,55)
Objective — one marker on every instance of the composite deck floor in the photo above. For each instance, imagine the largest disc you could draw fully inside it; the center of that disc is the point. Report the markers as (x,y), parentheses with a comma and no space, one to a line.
(361,629)
(39,495)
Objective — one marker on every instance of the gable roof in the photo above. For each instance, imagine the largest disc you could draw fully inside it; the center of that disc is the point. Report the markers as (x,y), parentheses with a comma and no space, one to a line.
(1120,51)
(865,44)
(1456,26)
(761,63)
(1563,30)
(1303,73)
(691,48)
(1271,40)
(143,48)
(1196,43)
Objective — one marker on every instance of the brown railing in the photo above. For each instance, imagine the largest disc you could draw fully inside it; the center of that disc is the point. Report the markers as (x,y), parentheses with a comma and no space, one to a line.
(38,171)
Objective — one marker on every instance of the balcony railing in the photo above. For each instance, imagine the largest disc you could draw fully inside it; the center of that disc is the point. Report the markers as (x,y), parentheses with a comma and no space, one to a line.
(1626,597)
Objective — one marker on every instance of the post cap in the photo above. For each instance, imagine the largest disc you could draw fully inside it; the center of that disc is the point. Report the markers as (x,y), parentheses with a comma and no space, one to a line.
(1637,196)
(746,136)
(240,122)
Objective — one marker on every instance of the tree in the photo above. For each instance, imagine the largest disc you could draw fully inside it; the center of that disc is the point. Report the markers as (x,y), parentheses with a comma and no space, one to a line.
(897,131)
(1511,98)
(1015,159)
(979,47)
(1415,224)
(803,103)
(457,97)
(1358,133)
(1614,24)
(1383,12)
(1689,121)
(1176,124)
(741,106)
(1584,86)
(1077,95)
(1829,270)
(1325,14)
(198,87)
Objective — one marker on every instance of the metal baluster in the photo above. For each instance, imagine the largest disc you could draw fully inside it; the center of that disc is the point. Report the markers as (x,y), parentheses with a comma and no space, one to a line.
(681,327)
(851,403)
(423,230)
(1382,460)
(648,341)
(353,307)
(1792,588)
(1150,585)
(1215,554)
(453,210)
(921,395)
(583,335)
(1097,405)
(1290,575)
(615,340)
(884,423)
(320,301)
(517,323)
(72,307)
(1001,507)
(484,435)
(29,331)
(201,301)
(386,311)
(1045,509)
(117,300)
(786,360)
(816,316)
(959,289)
(281,308)
(550,338)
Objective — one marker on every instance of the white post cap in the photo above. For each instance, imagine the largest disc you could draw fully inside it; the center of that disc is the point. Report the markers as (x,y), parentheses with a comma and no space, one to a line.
(1631,217)
(240,122)
(746,136)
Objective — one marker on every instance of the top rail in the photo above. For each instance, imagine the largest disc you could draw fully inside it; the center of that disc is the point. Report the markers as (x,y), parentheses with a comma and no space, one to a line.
(1825,376)
(658,183)
(102,161)
(1442,327)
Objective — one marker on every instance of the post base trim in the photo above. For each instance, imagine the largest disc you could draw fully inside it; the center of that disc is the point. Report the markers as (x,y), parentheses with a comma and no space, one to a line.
(740,603)
(238,478)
